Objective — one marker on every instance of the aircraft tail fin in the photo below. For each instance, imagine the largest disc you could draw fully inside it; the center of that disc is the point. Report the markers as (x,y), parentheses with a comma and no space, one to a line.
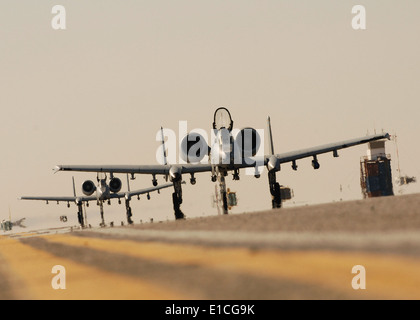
(19,223)
(270,138)
(165,161)
(74,188)
(128,184)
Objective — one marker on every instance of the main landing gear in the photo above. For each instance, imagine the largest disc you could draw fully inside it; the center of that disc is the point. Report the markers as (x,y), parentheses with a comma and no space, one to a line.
(128,211)
(274,190)
(223,192)
(80,215)
(101,206)
(177,199)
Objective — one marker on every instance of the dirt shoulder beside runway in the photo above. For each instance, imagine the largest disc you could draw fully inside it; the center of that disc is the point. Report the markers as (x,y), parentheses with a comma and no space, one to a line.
(398,213)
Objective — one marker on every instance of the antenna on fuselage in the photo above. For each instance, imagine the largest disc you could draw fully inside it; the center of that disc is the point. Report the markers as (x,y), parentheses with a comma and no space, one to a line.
(270,137)
(165,162)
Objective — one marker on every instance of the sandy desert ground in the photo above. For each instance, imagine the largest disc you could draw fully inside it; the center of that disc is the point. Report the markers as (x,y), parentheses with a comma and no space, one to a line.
(296,253)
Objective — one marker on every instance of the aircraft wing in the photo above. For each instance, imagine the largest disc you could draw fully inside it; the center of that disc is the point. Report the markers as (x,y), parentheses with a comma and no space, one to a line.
(151,189)
(60,199)
(139,169)
(251,162)
(332,147)
(140,191)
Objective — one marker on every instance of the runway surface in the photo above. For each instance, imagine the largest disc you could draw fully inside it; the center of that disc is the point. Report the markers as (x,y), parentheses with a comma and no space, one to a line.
(296,253)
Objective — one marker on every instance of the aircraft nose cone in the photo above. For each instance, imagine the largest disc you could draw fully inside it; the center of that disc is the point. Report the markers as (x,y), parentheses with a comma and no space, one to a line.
(103,193)
(273,164)
(175,173)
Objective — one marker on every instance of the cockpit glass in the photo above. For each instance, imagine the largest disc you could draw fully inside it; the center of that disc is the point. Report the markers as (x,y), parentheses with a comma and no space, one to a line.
(222,119)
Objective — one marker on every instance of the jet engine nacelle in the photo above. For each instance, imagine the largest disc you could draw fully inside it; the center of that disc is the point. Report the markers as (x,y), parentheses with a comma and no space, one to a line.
(115,185)
(88,187)
(194,148)
(248,141)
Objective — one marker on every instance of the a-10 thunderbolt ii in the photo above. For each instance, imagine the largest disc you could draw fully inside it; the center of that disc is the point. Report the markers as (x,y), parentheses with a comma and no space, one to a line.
(227,153)
(103,192)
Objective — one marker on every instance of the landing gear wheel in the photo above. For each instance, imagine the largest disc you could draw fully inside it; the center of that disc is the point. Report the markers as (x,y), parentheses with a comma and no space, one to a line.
(101,206)
(80,218)
(129,215)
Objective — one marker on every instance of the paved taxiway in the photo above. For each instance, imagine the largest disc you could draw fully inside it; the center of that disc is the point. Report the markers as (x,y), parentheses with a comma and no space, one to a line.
(296,253)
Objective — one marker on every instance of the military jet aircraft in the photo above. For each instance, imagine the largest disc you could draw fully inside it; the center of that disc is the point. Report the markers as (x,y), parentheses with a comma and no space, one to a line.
(227,153)
(104,192)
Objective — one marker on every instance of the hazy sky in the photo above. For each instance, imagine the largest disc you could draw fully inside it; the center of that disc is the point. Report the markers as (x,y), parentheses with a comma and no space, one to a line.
(97,92)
